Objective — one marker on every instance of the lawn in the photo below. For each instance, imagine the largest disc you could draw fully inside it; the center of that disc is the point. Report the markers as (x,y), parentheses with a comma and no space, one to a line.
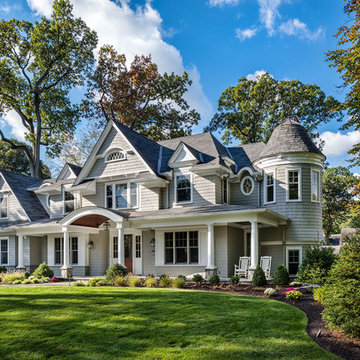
(118,323)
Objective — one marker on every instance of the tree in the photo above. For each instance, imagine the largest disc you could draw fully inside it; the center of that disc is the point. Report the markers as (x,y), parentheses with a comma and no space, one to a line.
(139,96)
(13,160)
(346,60)
(338,194)
(39,64)
(252,109)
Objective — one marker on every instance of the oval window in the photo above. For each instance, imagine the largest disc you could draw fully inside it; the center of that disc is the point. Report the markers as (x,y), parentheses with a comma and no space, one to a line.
(247,185)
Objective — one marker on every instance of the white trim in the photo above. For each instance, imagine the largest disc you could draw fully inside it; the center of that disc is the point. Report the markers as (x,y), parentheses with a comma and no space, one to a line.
(248,169)
(112,151)
(290,159)
(287,255)
(7,206)
(190,178)
(63,172)
(242,185)
(64,189)
(7,238)
(266,173)
(128,194)
(173,161)
(299,184)
(313,170)
(226,180)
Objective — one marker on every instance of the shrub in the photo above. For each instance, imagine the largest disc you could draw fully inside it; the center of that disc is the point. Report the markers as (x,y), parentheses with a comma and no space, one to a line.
(259,278)
(16,282)
(342,298)
(293,295)
(214,279)
(165,281)
(198,278)
(45,279)
(178,283)
(35,281)
(3,269)
(95,282)
(182,277)
(43,270)
(319,294)
(26,281)
(54,279)
(115,270)
(11,276)
(234,279)
(150,281)
(120,280)
(312,275)
(269,292)
(78,283)
(281,276)
(134,281)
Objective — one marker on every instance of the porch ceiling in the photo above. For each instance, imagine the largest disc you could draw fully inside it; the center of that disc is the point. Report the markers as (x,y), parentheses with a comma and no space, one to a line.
(93,220)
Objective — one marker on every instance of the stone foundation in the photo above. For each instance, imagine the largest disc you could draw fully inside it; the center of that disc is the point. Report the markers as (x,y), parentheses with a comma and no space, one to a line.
(209,273)
(66,272)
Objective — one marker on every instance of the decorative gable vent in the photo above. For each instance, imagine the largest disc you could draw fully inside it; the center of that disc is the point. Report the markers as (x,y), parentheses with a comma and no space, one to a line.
(115,155)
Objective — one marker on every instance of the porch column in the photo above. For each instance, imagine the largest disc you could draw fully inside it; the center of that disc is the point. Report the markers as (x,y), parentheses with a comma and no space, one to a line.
(210,268)
(21,252)
(254,248)
(121,245)
(66,270)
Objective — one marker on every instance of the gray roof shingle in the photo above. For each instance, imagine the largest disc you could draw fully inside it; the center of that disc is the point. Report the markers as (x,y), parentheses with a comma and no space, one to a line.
(76,169)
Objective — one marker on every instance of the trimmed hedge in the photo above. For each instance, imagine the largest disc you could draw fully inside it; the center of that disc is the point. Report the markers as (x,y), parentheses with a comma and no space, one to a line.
(281,276)
(259,278)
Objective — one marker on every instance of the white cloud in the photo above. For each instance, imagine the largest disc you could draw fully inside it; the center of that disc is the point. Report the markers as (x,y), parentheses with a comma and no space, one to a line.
(257,74)
(17,129)
(134,32)
(268,13)
(223,2)
(337,144)
(246,33)
(295,27)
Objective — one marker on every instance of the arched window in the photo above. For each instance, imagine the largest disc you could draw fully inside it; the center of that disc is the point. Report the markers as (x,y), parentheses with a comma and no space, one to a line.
(247,185)
(115,155)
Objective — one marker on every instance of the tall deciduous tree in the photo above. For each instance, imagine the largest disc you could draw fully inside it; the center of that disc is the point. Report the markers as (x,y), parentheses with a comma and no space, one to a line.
(139,96)
(252,109)
(338,194)
(346,60)
(39,64)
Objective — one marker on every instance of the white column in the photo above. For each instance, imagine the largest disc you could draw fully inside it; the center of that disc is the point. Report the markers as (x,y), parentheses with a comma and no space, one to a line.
(254,244)
(66,263)
(121,245)
(211,247)
(20,252)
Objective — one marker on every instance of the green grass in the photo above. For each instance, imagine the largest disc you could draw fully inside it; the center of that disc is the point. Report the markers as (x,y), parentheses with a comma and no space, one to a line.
(118,323)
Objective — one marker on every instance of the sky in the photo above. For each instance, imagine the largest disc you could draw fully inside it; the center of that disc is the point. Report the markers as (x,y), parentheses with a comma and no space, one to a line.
(217,42)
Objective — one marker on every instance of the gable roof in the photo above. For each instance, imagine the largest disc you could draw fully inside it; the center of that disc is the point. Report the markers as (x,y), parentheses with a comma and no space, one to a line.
(75,169)
(245,155)
(19,185)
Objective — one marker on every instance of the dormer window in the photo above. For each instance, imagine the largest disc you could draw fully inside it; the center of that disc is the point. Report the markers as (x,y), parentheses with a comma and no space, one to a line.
(69,202)
(183,189)
(4,206)
(116,155)
(121,196)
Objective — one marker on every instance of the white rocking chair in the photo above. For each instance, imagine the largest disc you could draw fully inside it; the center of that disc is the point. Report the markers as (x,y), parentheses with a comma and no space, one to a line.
(243,267)
(265,264)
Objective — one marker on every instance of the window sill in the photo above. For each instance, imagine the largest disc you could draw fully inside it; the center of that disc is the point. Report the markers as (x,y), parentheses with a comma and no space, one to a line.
(270,203)
(193,264)
(183,202)
(294,201)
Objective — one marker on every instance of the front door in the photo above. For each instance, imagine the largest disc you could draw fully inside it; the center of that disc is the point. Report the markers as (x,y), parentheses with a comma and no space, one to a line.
(128,252)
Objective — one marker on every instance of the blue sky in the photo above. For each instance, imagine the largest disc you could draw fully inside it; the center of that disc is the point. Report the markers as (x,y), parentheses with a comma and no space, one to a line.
(217,42)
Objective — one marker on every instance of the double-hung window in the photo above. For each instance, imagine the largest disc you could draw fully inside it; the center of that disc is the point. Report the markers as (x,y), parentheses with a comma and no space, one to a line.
(3,206)
(4,250)
(270,188)
(69,202)
(115,247)
(74,250)
(315,185)
(294,185)
(182,247)
(59,244)
(293,258)
(183,188)
(121,196)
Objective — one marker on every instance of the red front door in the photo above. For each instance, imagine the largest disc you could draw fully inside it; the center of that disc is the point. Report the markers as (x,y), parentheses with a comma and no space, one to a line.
(128,252)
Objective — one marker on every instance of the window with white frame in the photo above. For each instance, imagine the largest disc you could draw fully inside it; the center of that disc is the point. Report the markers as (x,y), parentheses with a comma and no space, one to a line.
(183,188)
(115,247)
(270,188)
(4,203)
(294,255)
(224,190)
(294,185)
(315,185)
(69,202)
(138,246)
(182,247)
(4,249)
(74,250)
(58,250)
(121,196)
(115,155)
(247,185)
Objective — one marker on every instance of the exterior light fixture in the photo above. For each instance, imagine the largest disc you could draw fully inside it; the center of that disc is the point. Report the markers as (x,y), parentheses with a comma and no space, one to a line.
(106,226)
(152,242)
(90,244)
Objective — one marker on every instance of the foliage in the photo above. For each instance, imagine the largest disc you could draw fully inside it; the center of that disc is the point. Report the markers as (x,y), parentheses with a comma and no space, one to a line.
(214,279)
(150,281)
(121,280)
(96,282)
(43,270)
(26,281)
(11,276)
(234,279)
(134,281)
(250,110)
(139,96)
(198,278)
(293,295)
(337,195)
(281,275)
(178,283)
(346,61)
(182,277)
(269,292)
(3,269)
(115,270)
(16,282)
(342,297)
(78,283)
(259,278)
(319,294)
(40,63)
(165,281)
(311,274)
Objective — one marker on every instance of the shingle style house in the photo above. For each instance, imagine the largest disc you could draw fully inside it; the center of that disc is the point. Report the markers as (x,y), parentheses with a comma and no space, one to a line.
(181,206)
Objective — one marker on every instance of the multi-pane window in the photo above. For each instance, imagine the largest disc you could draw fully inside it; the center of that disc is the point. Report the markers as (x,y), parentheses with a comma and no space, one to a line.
(4,249)
(269,188)
(69,202)
(3,206)
(115,247)
(74,250)
(182,247)
(59,250)
(121,196)
(315,185)
(293,185)
(293,261)
(247,185)
(183,188)
(138,246)
(224,191)
(115,155)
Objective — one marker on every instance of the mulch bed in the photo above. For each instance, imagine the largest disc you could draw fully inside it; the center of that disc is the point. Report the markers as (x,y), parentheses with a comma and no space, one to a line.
(334,341)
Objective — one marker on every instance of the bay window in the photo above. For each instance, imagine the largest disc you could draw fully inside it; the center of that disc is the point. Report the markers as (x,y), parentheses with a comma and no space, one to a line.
(315,185)
(121,196)
(3,206)
(293,185)
(183,188)
(182,247)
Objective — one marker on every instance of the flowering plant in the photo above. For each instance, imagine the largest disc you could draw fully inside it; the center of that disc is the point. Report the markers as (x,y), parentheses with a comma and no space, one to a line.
(293,295)
(54,279)
(289,289)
